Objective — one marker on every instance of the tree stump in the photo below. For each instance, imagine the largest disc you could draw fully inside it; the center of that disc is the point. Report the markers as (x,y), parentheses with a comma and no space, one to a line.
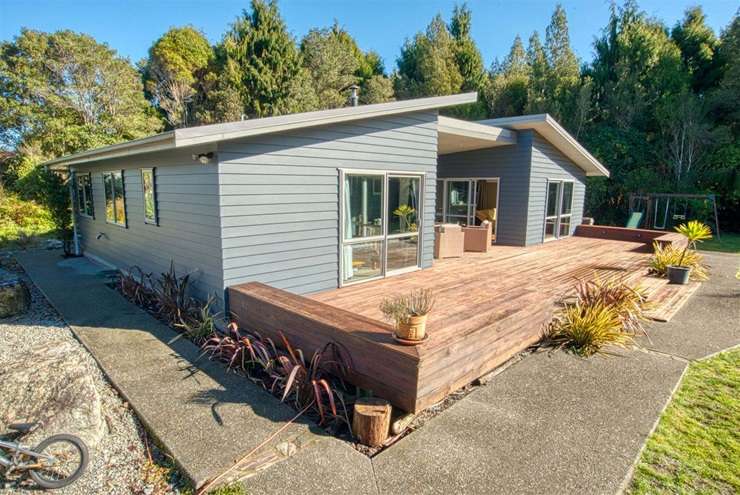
(371,421)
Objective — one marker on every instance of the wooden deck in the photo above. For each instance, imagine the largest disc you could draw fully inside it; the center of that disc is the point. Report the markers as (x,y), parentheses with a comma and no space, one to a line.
(489,306)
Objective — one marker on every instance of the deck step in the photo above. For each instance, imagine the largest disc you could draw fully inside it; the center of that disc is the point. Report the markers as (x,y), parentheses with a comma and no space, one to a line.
(669,298)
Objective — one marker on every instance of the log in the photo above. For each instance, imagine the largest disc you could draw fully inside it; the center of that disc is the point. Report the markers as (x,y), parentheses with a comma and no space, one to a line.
(371,421)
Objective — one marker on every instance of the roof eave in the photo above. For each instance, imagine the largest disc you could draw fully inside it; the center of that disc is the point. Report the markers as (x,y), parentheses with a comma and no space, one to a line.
(235,130)
(149,144)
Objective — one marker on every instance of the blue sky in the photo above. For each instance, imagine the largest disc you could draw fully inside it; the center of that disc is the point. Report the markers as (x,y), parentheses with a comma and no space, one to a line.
(130,26)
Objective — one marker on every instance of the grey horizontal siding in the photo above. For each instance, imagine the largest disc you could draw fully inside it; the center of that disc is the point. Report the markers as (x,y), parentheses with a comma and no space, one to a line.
(279,195)
(189,229)
(550,163)
(511,164)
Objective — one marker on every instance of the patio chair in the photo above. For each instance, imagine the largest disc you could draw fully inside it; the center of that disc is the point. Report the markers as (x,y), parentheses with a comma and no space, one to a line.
(449,241)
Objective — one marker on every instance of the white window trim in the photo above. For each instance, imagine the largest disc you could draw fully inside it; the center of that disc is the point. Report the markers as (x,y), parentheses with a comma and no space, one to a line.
(383,238)
(81,211)
(150,221)
(558,216)
(123,224)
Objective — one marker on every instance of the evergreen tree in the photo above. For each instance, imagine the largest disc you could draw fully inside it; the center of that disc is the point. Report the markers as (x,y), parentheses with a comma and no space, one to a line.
(467,56)
(539,74)
(507,93)
(427,65)
(332,64)
(698,45)
(259,62)
(175,72)
(335,62)
(563,72)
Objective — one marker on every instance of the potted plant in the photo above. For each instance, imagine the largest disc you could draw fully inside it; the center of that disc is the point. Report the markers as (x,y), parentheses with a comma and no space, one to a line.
(409,314)
(694,231)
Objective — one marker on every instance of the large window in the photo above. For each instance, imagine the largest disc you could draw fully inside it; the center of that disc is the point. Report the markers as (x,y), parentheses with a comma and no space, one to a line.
(380,223)
(85,195)
(115,198)
(150,198)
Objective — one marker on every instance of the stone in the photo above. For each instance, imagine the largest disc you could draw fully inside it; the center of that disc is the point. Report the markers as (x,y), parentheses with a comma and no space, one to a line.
(53,385)
(15,297)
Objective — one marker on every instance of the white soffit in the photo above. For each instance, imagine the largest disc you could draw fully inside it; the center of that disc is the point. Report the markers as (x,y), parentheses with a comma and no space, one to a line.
(455,136)
(553,132)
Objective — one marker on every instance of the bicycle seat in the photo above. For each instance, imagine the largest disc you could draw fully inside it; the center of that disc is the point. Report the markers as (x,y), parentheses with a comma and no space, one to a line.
(23,427)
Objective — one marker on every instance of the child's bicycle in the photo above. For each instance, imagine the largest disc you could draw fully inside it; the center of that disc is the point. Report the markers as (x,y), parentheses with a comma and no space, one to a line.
(56,462)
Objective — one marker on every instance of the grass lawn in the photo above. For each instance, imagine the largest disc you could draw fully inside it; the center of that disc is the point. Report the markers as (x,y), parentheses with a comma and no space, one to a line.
(730,243)
(696,447)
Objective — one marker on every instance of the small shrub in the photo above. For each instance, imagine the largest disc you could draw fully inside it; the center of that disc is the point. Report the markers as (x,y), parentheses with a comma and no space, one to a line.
(20,220)
(399,309)
(285,373)
(598,315)
(671,255)
(200,323)
(588,328)
(630,302)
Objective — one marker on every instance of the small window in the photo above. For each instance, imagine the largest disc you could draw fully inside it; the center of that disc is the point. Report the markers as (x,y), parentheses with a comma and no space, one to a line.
(150,198)
(85,195)
(115,199)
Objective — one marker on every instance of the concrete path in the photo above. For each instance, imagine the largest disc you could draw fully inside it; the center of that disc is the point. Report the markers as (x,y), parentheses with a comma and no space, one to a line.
(206,418)
(552,423)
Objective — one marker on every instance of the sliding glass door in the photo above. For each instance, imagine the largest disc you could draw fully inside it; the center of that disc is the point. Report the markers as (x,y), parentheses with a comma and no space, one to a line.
(558,209)
(380,224)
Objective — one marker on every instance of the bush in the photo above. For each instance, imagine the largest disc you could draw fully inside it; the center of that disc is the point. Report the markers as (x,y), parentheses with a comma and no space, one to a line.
(600,314)
(43,187)
(21,219)
(587,328)
(670,255)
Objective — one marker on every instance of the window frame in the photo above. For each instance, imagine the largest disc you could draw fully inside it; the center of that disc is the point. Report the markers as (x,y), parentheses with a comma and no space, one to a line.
(115,221)
(82,197)
(147,220)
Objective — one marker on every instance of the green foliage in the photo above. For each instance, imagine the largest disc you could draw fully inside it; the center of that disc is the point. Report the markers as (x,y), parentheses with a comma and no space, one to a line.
(230,489)
(698,45)
(260,63)
(64,92)
(601,314)
(665,256)
(696,444)
(175,75)
(20,218)
(428,65)
(331,58)
(588,328)
(399,309)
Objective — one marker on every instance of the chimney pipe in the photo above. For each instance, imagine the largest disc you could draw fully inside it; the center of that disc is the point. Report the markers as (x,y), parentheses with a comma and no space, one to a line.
(354,99)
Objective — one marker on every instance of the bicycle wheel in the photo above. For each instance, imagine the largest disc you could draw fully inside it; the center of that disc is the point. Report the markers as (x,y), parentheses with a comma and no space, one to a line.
(70,461)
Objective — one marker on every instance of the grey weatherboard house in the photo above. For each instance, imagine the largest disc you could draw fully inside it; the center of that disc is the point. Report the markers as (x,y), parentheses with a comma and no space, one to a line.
(309,202)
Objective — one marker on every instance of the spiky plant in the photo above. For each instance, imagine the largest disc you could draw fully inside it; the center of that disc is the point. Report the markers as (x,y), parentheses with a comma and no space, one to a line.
(587,329)
(669,255)
(630,302)
(694,231)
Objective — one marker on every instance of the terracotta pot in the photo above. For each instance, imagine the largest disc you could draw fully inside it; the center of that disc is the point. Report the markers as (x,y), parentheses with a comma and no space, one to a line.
(414,329)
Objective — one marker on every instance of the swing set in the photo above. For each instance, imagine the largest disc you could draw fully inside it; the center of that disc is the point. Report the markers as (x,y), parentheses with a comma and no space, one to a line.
(663,211)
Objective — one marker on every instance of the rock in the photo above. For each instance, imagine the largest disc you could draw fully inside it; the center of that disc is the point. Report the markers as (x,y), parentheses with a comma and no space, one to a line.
(53,385)
(14,295)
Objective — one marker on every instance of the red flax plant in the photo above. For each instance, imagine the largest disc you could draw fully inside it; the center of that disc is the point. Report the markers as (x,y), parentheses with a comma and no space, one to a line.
(285,372)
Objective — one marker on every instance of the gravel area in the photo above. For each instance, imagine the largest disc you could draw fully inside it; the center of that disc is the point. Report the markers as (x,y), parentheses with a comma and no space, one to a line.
(119,464)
